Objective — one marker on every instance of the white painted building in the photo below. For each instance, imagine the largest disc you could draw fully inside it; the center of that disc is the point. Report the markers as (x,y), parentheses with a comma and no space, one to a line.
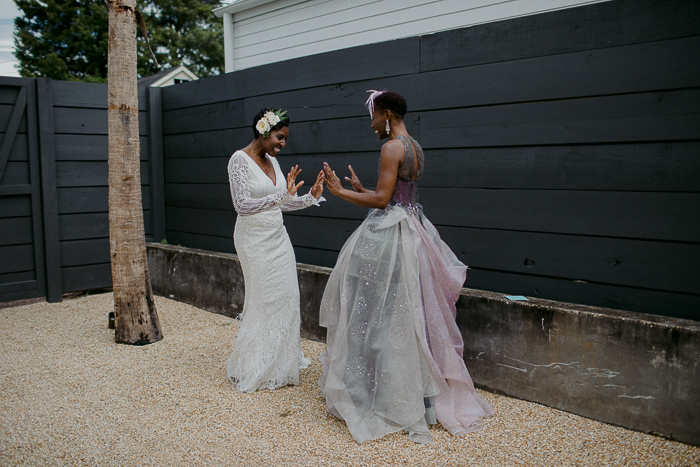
(258,32)
(168,77)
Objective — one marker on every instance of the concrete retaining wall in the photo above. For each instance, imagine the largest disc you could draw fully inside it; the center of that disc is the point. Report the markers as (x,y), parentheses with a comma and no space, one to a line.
(634,370)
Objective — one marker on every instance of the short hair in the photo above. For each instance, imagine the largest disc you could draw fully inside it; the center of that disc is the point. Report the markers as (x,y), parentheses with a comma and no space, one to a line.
(391,101)
(260,114)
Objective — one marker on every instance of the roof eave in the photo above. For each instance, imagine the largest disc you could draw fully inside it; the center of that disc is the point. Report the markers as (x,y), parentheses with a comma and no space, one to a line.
(239,5)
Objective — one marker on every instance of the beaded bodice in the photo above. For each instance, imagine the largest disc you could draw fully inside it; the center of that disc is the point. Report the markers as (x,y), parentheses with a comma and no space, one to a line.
(409,173)
(412,155)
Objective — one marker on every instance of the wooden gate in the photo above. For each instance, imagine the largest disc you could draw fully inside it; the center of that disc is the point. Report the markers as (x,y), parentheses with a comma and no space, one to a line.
(25,256)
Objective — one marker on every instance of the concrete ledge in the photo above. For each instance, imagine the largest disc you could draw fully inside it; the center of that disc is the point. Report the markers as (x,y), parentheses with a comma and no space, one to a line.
(629,369)
(214,282)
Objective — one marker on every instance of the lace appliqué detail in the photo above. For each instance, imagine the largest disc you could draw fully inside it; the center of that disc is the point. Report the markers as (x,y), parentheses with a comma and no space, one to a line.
(245,204)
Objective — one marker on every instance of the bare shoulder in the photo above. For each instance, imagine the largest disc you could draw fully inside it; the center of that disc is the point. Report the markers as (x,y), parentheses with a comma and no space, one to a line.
(393,150)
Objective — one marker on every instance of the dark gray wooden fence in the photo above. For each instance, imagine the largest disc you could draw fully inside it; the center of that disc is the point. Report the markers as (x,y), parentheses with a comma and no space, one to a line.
(563,156)
(562,149)
(54,234)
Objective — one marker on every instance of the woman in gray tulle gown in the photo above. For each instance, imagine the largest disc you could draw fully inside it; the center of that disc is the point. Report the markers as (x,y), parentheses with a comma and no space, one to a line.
(393,357)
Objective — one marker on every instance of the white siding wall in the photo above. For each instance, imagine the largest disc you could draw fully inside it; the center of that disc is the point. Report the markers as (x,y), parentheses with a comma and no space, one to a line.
(284,29)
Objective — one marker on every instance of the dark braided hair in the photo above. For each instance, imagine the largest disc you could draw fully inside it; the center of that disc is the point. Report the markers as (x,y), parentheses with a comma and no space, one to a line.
(391,101)
(260,114)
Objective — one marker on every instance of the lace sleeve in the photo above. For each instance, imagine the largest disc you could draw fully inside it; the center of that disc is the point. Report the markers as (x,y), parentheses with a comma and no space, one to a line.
(240,191)
(301,202)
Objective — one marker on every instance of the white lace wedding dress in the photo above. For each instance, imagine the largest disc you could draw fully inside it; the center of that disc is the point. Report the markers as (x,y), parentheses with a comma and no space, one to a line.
(266,352)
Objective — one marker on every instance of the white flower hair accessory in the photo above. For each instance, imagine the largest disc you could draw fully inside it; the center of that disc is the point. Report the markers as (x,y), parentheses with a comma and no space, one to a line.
(370,100)
(269,120)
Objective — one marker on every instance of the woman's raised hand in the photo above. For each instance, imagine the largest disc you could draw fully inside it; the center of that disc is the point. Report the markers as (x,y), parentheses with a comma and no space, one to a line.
(317,189)
(355,181)
(291,178)
(332,180)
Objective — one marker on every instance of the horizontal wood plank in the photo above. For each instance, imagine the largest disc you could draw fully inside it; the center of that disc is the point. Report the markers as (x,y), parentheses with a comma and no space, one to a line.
(210,144)
(15,205)
(197,170)
(88,121)
(15,287)
(89,147)
(201,221)
(16,231)
(653,265)
(616,167)
(17,277)
(606,24)
(325,234)
(654,216)
(12,81)
(16,173)
(216,116)
(11,190)
(90,226)
(198,195)
(203,242)
(89,173)
(84,252)
(8,94)
(94,276)
(21,295)
(16,258)
(91,199)
(86,95)
(652,117)
(622,298)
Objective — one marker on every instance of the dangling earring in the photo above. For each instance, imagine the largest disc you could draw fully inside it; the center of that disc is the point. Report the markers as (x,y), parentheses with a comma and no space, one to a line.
(388,128)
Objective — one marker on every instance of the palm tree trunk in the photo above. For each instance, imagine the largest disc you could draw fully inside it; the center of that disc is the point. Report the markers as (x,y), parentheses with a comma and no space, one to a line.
(136,319)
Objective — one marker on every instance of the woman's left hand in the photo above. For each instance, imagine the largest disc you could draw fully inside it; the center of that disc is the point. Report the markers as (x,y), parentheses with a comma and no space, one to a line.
(332,180)
(355,181)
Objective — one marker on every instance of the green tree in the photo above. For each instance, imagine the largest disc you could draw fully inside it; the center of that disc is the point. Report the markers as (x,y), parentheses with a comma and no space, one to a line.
(183,32)
(67,39)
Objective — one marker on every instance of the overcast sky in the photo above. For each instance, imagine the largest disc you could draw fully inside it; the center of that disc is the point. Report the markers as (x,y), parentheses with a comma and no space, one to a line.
(8,12)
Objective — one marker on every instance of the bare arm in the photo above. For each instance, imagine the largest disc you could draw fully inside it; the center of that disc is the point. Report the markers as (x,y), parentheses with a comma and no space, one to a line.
(389,162)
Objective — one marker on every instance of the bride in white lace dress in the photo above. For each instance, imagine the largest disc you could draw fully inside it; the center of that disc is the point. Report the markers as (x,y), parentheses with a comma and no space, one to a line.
(266,352)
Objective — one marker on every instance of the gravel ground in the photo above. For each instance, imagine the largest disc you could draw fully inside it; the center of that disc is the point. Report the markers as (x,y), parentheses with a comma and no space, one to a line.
(71,396)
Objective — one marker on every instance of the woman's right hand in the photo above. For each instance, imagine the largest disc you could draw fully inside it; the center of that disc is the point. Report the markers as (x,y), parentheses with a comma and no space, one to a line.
(355,181)
(291,178)
(317,189)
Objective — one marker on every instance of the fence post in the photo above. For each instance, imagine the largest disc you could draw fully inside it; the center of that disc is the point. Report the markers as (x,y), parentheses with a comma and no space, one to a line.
(155,161)
(47,156)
